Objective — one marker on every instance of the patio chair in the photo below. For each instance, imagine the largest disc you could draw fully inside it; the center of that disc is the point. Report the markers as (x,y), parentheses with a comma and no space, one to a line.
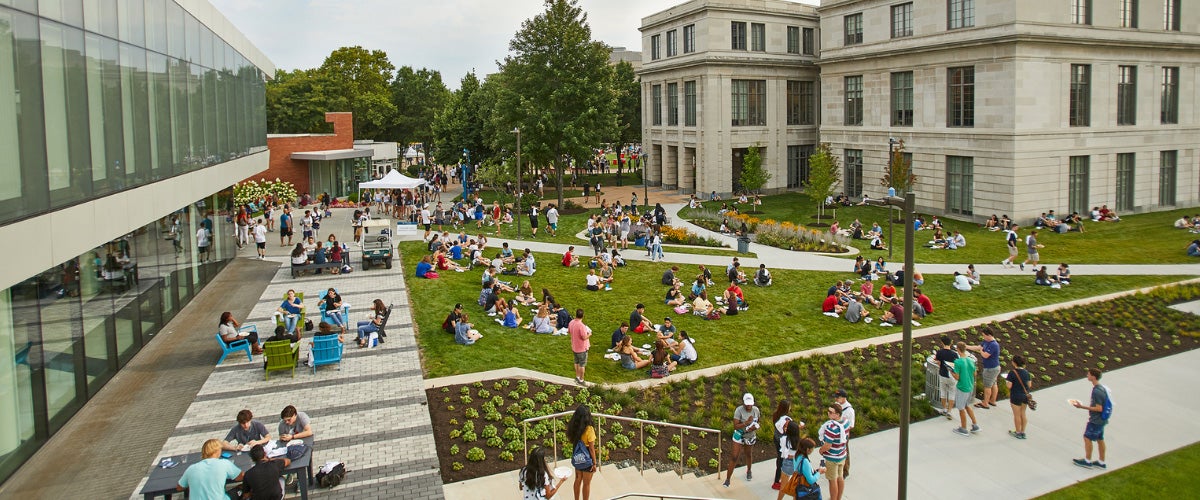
(235,346)
(303,312)
(325,315)
(281,355)
(326,350)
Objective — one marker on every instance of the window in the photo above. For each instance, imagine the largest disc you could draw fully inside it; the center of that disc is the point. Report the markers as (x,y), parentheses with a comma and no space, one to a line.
(1129,16)
(854,100)
(758,37)
(793,39)
(1125,163)
(797,165)
(902,98)
(738,35)
(672,104)
(689,39)
(962,97)
(808,103)
(809,46)
(1081,11)
(1170,96)
(854,27)
(1077,184)
(689,103)
(1081,95)
(672,43)
(902,20)
(656,101)
(1166,177)
(853,173)
(749,102)
(961,14)
(960,184)
(654,41)
(1171,15)
(1127,95)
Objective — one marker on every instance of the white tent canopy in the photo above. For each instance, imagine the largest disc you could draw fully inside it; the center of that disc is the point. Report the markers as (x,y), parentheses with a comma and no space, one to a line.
(393,180)
(413,153)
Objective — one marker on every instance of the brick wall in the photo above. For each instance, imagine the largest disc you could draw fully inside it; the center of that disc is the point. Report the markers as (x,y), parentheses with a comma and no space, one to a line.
(282,165)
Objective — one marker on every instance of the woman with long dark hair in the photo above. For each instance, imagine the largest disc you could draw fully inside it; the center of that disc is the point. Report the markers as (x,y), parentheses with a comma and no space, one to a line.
(366,328)
(788,444)
(781,419)
(229,329)
(580,429)
(534,478)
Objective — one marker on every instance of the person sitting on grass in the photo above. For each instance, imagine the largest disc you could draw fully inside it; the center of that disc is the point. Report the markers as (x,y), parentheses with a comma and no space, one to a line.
(525,295)
(445,264)
(509,316)
(478,258)
(894,315)
(1107,215)
(1183,222)
(698,287)
(831,306)
(961,282)
(452,319)
(972,275)
(425,269)
(1043,278)
(661,357)
(762,277)
(855,311)
(542,321)
(617,335)
(706,274)
(733,296)
(1064,274)
(593,281)
(569,259)
(923,306)
(992,224)
(702,307)
(528,265)
(674,297)
(684,351)
(465,332)
(887,292)
(669,278)
(1193,249)
(606,275)
(955,241)
(638,321)
(629,356)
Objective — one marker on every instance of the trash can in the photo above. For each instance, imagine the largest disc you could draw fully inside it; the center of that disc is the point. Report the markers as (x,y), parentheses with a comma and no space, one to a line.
(744,244)
(931,382)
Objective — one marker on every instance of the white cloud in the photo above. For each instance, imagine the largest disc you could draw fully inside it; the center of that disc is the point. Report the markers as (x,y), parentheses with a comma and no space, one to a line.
(452,36)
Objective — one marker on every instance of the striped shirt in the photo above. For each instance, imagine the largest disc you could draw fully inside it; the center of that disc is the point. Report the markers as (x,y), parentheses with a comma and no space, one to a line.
(833,433)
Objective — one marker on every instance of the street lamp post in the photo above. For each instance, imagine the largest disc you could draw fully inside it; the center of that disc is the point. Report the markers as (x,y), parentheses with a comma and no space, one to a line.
(465,167)
(909,204)
(644,159)
(891,192)
(517,130)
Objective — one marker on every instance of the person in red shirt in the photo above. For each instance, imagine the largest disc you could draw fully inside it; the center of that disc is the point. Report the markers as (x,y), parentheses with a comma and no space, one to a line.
(496,213)
(923,301)
(735,291)
(569,259)
(831,305)
(887,291)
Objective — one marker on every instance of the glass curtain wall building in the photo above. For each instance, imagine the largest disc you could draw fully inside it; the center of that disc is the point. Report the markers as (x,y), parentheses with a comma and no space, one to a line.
(120,120)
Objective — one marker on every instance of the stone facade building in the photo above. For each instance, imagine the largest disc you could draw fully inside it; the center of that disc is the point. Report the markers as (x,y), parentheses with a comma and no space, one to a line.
(1005,106)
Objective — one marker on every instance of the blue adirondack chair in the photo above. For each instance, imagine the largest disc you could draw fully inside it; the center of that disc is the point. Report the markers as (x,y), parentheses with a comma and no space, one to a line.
(235,346)
(325,315)
(326,350)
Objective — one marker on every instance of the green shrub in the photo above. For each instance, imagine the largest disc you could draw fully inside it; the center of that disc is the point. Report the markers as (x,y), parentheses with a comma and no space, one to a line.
(476,454)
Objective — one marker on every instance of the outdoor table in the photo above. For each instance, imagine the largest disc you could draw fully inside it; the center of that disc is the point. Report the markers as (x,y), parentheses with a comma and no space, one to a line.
(162,482)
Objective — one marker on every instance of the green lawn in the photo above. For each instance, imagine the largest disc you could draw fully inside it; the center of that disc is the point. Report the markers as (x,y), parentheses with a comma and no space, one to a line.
(1170,475)
(1152,234)
(782,318)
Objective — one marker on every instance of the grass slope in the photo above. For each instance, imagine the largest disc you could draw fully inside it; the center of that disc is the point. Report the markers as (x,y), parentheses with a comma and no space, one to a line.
(1170,475)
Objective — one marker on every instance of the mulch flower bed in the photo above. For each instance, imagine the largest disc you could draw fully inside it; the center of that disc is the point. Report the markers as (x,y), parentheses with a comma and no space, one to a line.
(478,427)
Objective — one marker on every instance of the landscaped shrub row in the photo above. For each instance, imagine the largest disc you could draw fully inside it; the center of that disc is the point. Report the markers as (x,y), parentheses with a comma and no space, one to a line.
(478,429)
(772,233)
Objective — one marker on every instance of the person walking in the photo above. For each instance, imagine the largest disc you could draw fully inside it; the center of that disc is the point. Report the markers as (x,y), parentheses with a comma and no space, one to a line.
(964,373)
(781,419)
(552,220)
(1099,409)
(580,343)
(260,239)
(833,450)
(581,430)
(1019,383)
(989,350)
(1010,240)
(1031,249)
(745,434)
(945,358)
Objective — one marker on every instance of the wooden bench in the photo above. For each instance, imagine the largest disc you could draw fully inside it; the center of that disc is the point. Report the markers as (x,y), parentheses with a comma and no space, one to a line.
(298,268)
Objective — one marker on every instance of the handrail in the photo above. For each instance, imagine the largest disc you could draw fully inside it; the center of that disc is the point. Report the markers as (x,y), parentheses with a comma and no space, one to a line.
(600,434)
(661,496)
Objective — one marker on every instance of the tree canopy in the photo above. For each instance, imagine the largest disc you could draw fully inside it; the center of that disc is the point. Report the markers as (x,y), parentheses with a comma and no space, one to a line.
(419,95)
(754,176)
(824,174)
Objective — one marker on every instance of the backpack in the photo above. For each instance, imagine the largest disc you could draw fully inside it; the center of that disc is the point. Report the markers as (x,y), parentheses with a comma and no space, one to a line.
(332,478)
(1106,412)
(581,459)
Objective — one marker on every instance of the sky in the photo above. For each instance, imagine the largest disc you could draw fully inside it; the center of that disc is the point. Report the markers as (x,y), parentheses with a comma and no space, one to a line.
(451,36)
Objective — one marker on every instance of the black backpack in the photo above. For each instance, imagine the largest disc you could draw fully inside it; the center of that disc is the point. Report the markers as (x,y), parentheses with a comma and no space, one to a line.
(333,478)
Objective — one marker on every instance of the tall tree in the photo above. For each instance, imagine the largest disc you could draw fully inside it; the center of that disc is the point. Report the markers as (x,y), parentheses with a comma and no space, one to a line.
(297,102)
(559,86)
(361,78)
(628,108)
(418,95)
(900,174)
(462,124)
(824,174)
(754,176)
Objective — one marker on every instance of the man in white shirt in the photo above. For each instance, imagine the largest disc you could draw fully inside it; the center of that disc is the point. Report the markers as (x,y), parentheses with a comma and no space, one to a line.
(260,239)
(552,220)
(848,423)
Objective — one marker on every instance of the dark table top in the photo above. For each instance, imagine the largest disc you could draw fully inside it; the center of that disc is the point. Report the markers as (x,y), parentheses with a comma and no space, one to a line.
(164,480)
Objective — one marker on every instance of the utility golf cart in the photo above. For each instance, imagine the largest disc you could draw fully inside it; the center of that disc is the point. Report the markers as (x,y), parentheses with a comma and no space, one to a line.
(377,243)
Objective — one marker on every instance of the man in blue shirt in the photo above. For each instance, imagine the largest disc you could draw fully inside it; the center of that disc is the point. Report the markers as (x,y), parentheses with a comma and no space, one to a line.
(1094,432)
(989,352)
(206,479)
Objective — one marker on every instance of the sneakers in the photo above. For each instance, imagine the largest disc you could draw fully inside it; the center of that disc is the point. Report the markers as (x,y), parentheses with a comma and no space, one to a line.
(1016,434)
(1082,463)
(946,413)
(974,429)
(776,485)
(961,432)
(1022,266)
(750,476)
(1005,264)
(1098,465)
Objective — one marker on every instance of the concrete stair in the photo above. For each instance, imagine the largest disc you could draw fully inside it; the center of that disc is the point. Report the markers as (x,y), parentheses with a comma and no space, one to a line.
(611,482)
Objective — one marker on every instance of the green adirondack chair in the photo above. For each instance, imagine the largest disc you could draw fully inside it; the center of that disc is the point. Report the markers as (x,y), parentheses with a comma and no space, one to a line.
(303,312)
(281,355)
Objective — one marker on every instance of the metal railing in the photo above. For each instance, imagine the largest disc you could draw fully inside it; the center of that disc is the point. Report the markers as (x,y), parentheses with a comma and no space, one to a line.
(599,417)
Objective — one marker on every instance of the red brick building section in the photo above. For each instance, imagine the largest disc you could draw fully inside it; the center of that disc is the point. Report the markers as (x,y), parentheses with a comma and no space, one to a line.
(282,146)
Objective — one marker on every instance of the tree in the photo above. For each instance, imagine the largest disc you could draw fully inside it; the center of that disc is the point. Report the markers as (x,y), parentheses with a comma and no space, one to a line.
(628,107)
(463,122)
(900,175)
(557,87)
(418,96)
(824,173)
(297,102)
(361,79)
(754,176)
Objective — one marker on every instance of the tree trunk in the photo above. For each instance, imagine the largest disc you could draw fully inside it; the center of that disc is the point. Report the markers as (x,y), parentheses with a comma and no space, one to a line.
(558,179)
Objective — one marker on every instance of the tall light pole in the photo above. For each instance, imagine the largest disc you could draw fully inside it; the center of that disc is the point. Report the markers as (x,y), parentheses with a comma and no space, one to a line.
(517,130)
(465,167)
(891,192)
(645,158)
(909,204)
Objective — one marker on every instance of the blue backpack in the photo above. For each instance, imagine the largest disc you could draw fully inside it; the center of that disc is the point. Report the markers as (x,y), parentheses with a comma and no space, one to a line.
(581,459)
(1106,412)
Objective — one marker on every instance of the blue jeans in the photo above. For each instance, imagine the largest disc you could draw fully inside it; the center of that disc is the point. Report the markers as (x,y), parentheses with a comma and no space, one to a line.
(366,328)
(336,317)
(656,251)
(289,322)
